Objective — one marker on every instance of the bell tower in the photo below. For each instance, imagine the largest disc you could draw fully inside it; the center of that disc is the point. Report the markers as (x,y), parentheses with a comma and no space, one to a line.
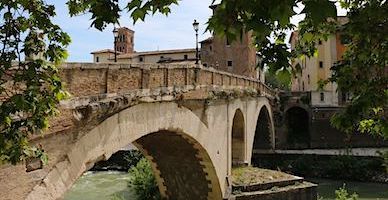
(125,40)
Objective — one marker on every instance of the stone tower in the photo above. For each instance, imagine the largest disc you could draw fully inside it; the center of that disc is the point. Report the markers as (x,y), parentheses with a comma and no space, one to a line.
(125,42)
(237,57)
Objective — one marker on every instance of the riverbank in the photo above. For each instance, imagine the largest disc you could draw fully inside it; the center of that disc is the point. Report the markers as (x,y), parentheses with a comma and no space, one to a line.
(336,167)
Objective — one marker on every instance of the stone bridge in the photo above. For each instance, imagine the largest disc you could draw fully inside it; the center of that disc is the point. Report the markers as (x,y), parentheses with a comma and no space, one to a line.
(192,123)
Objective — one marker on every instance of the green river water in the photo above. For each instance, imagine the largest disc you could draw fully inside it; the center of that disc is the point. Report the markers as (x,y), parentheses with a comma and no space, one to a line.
(105,185)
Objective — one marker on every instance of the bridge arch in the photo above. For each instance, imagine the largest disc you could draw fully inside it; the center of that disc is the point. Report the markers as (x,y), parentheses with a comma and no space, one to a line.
(158,129)
(263,132)
(260,121)
(297,121)
(238,138)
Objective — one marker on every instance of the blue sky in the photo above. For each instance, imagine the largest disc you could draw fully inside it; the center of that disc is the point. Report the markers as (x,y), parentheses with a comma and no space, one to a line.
(157,32)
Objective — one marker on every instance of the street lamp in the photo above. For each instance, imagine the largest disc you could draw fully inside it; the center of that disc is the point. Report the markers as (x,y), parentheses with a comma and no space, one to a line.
(115,34)
(195,26)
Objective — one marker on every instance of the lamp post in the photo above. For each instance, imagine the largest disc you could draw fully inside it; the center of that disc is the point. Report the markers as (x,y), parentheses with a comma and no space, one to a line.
(115,34)
(195,26)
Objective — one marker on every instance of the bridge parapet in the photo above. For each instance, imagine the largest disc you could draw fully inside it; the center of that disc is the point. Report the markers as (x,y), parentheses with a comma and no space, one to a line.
(90,79)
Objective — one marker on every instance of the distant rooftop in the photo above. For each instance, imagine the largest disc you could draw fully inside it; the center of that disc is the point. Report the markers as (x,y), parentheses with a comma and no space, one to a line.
(208,40)
(172,51)
(105,51)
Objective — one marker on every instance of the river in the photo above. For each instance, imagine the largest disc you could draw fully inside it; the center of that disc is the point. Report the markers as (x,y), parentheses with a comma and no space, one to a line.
(101,186)
(365,191)
(106,185)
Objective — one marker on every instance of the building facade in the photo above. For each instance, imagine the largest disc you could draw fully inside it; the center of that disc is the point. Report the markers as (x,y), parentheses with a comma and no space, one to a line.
(238,56)
(318,68)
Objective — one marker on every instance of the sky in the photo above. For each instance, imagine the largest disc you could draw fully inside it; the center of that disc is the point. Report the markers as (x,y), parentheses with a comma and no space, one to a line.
(157,32)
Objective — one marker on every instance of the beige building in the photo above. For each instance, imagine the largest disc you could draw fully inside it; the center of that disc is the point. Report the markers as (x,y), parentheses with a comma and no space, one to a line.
(125,52)
(316,69)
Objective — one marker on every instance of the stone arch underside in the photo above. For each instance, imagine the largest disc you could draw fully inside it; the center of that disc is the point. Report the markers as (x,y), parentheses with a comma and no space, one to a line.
(297,123)
(263,131)
(238,138)
(180,164)
(156,128)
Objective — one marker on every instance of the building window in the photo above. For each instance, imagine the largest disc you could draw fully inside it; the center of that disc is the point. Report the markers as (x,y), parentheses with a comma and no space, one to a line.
(320,64)
(141,59)
(205,64)
(303,86)
(211,48)
(319,41)
(161,57)
(230,63)
(322,95)
(185,57)
(97,59)
(308,79)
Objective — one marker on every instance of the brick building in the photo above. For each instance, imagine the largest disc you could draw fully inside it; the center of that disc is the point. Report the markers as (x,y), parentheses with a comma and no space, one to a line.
(238,56)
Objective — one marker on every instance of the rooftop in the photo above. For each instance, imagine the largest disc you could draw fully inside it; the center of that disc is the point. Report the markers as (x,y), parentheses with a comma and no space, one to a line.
(144,53)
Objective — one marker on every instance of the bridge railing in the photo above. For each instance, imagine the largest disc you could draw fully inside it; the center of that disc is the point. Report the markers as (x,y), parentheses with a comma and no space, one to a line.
(91,79)
(87,79)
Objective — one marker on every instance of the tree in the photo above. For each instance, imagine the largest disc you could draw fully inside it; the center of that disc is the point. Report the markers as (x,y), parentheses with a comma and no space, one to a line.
(29,90)
(143,181)
(26,29)
(276,81)
(363,70)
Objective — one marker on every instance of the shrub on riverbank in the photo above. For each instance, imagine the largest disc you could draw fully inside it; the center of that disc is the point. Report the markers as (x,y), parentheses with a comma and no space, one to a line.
(343,194)
(143,181)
